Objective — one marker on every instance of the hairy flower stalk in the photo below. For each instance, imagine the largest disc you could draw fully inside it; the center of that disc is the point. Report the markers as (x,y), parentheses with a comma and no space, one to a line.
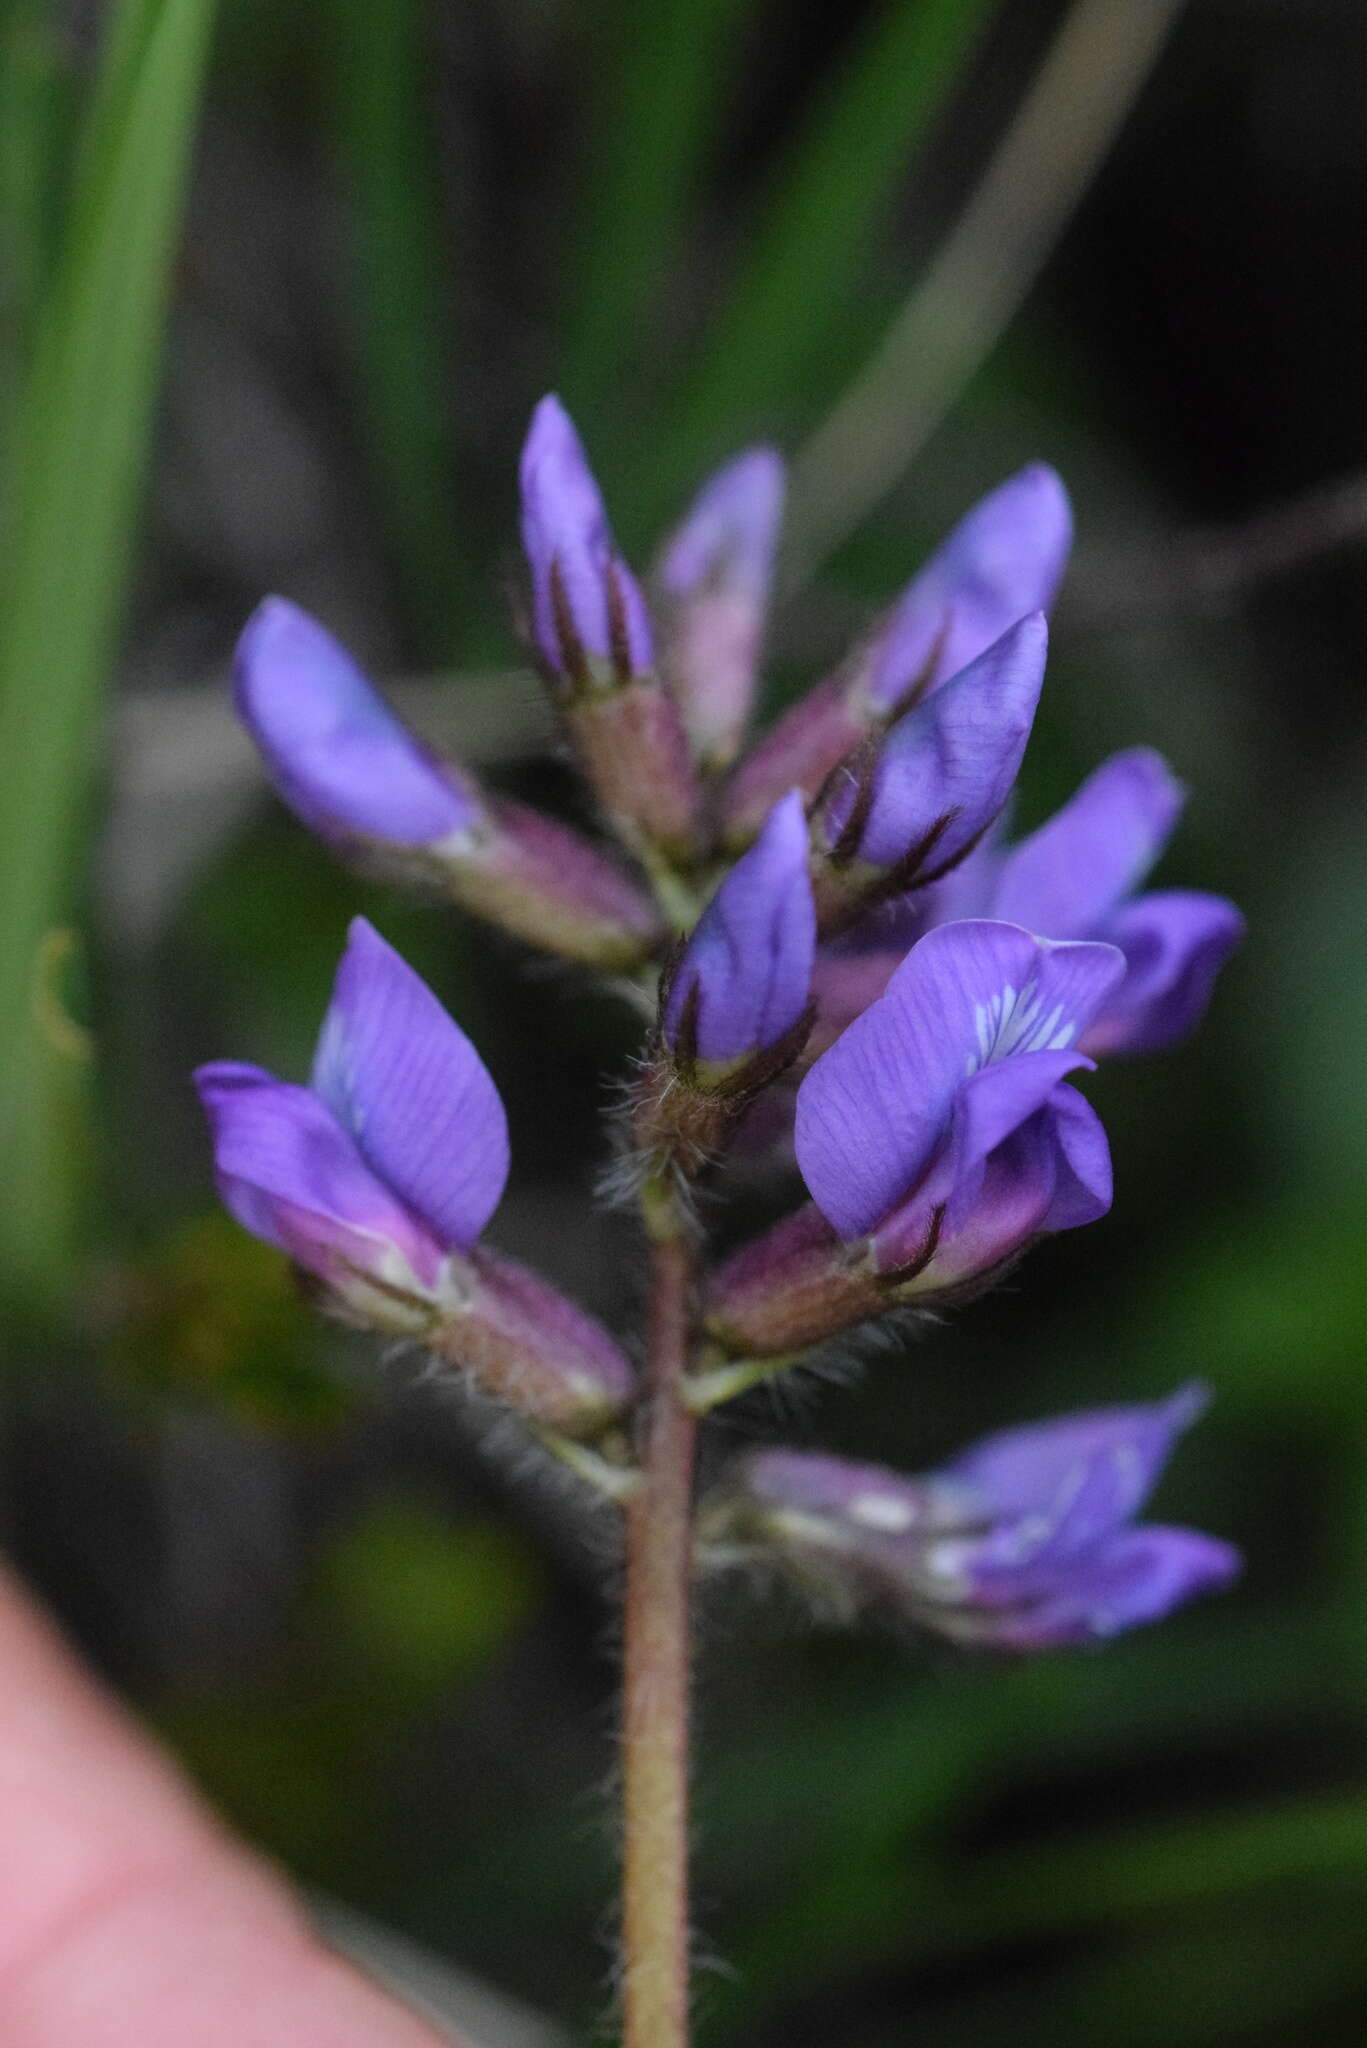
(844,899)
(656,1658)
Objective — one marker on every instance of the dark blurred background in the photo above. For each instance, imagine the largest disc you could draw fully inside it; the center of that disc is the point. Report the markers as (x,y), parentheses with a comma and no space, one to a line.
(376,1632)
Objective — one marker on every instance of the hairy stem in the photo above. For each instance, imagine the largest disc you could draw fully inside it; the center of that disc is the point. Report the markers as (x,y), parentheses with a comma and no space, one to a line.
(656,1643)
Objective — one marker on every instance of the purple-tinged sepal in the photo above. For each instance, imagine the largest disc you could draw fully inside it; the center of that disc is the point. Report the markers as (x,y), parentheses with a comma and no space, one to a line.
(547,884)
(351,770)
(1001,563)
(377,1181)
(713,578)
(1025,1542)
(593,634)
(525,1343)
(938,1138)
(736,1005)
(907,813)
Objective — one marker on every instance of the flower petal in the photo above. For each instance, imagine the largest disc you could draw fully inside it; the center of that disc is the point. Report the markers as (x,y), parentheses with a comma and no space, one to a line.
(875,1108)
(747,969)
(1108,1459)
(1175,942)
(291,1175)
(1082,1163)
(1006,558)
(339,756)
(951,762)
(995,1185)
(1068,877)
(411,1089)
(1141,1576)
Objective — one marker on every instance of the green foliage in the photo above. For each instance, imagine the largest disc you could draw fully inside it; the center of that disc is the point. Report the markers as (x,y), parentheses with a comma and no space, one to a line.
(810,244)
(79,450)
(399,311)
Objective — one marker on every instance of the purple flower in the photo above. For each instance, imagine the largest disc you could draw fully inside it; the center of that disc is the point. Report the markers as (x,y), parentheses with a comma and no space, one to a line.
(944,770)
(379,1177)
(339,756)
(1003,560)
(745,976)
(940,1120)
(586,605)
(1074,878)
(1024,1542)
(937,1137)
(714,574)
(393,1157)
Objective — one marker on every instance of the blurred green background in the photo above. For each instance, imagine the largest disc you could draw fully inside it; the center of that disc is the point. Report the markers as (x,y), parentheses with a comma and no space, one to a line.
(278,288)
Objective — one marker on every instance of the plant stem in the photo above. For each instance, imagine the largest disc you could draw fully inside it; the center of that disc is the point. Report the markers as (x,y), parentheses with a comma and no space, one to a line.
(656,1655)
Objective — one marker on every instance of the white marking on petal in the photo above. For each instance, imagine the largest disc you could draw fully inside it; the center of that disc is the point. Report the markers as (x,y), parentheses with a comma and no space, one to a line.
(882,1511)
(1011,1022)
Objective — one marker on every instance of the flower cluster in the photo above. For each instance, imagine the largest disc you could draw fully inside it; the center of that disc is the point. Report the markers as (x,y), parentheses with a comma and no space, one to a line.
(834,911)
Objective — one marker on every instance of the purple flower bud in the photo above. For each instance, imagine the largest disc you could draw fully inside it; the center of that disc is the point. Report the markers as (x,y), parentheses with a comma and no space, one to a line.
(714,575)
(351,770)
(1025,1542)
(1004,560)
(940,777)
(745,975)
(378,1178)
(587,608)
(339,756)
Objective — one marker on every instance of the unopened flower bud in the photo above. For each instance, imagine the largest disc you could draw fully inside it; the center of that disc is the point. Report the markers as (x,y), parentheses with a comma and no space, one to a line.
(735,1008)
(594,636)
(904,815)
(1002,562)
(350,768)
(713,578)
(339,756)
(1024,1542)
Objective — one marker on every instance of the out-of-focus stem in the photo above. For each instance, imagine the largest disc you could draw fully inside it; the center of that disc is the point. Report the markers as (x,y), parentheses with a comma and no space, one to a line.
(656,1652)
(958,310)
